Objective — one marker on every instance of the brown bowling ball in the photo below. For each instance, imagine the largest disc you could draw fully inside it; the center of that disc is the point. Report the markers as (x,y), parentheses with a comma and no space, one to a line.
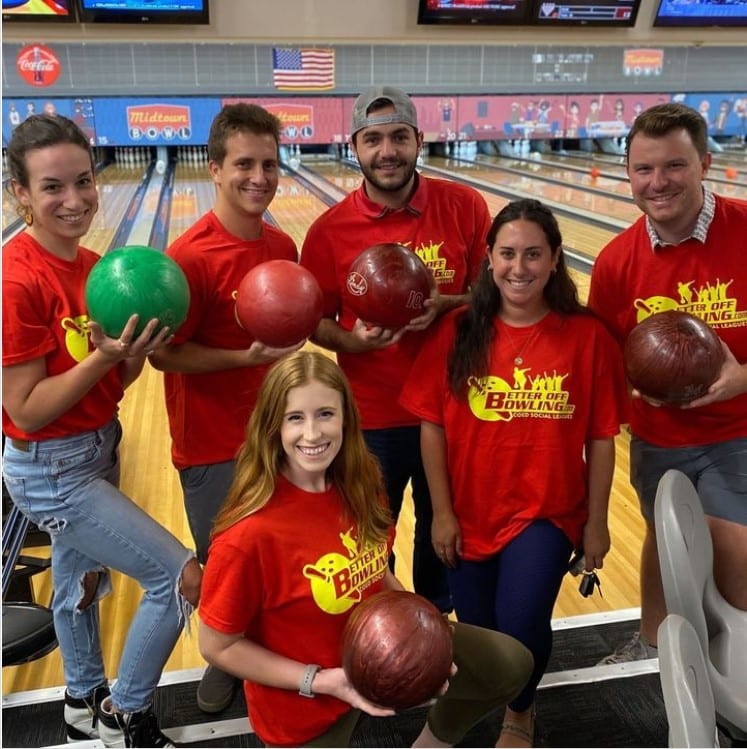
(397,649)
(672,357)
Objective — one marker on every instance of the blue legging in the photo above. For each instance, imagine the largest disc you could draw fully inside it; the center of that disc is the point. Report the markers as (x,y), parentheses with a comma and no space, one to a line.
(514,592)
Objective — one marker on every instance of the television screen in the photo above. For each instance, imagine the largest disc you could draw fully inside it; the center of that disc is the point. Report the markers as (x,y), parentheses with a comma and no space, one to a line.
(54,11)
(618,13)
(144,11)
(703,13)
(477,12)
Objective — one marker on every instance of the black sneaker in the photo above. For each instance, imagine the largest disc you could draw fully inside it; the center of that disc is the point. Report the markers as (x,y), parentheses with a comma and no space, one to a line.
(216,690)
(126,730)
(81,714)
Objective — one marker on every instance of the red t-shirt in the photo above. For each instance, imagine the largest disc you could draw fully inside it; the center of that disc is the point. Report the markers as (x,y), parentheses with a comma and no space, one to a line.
(288,577)
(208,412)
(446,224)
(631,281)
(44,315)
(515,448)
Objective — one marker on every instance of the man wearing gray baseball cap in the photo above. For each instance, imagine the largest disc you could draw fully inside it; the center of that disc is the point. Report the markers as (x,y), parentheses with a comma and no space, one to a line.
(402,108)
(446,225)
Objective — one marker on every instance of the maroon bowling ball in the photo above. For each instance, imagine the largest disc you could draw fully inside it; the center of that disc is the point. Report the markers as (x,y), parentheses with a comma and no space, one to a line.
(397,649)
(387,285)
(279,303)
(672,357)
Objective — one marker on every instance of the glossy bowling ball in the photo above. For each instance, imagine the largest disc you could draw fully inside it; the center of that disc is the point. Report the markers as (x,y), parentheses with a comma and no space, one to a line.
(397,649)
(135,279)
(387,285)
(595,172)
(279,303)
(672,357)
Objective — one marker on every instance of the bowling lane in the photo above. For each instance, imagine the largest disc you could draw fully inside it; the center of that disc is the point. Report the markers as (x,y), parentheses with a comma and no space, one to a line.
(295,207)
(608,182)
(192,196)
(117,186)
(585,195)
(578,234)
(614,167)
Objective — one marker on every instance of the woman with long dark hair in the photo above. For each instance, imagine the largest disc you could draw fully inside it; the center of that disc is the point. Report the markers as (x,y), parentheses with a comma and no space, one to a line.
(518,394)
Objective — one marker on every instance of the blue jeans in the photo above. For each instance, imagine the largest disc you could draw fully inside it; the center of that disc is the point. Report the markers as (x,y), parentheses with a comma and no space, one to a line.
(68,487)
(398,452)
(514,592)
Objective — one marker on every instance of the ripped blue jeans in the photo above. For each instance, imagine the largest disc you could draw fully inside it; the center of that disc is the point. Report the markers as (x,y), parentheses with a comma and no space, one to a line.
(68,487)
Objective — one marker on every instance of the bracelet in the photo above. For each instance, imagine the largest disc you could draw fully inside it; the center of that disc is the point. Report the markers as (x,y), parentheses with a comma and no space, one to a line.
(304,688)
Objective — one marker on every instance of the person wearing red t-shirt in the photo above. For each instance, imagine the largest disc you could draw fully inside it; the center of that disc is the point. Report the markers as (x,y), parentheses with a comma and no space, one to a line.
(303,538)
(519,395)
(213,368)
(445,224)
(687,252)
(62,381)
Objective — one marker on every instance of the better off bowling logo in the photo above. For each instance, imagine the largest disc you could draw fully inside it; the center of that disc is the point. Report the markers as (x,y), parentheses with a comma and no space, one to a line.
(38,65)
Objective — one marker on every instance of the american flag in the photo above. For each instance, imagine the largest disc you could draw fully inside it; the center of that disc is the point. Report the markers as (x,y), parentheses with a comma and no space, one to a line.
(303,69)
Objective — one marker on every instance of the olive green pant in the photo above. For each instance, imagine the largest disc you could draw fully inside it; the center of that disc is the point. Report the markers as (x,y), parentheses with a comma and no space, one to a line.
(492,668)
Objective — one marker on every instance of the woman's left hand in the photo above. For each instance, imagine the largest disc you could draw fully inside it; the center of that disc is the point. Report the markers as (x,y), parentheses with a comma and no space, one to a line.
(596,544)
(129,346)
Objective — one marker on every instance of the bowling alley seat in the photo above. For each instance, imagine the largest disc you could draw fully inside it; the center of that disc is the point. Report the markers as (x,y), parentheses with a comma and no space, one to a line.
(28,628)
(688,697)
(686,561)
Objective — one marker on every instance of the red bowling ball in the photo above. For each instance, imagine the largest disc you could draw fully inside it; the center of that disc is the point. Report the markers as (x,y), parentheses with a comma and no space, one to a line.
(672,357)
(387,285)
(279,303)
(397,649)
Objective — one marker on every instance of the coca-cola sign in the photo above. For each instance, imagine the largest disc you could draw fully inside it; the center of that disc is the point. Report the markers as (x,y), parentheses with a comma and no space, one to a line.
(38,65)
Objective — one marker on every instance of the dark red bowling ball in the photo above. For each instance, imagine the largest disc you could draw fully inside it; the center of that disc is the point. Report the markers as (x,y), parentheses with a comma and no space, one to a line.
(279,303)
(387,285)
(672,357)
(397,649)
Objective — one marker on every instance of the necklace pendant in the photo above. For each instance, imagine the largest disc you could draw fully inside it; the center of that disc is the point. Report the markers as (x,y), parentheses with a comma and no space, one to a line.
(518,361)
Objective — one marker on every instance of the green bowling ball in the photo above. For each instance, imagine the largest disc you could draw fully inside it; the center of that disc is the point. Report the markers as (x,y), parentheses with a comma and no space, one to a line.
(134,279)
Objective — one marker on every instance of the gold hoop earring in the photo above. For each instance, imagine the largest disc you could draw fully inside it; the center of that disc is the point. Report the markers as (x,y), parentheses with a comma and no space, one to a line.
(27,216)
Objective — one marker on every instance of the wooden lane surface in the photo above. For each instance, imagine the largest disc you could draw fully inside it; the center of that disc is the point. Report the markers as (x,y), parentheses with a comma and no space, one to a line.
(295,207)
(149,477)
(117,186)
(616,165)
(192,196)
(556,169)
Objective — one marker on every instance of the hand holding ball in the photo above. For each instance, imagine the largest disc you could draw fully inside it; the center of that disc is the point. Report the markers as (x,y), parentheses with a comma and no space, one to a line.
(397,649)
(136,280)
(387,285)
(279,303)
(672,357)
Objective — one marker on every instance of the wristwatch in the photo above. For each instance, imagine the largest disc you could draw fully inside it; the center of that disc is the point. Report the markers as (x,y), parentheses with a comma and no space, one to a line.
(309,673)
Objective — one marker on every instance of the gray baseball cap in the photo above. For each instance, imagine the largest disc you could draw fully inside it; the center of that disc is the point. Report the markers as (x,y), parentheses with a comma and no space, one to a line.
(403,106)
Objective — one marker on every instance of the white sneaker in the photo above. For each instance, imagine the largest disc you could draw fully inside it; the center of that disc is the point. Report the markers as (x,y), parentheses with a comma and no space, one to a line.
(81,715)
(124,730)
